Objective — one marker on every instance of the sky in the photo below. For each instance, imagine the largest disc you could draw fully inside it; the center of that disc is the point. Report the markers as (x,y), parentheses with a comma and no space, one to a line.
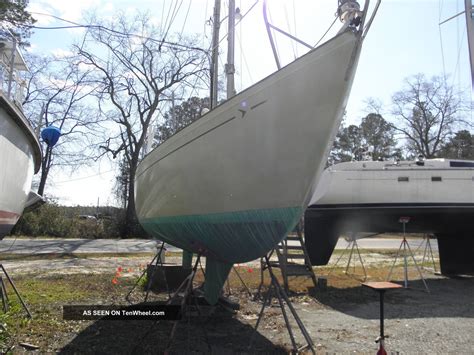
(405,39)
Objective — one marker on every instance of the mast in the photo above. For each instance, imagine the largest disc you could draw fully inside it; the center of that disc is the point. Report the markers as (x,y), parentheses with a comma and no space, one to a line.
(229,67)
(470,35)
(215,52)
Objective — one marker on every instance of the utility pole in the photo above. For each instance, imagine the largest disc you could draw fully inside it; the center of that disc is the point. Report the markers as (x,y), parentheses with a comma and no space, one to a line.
(230,68)
(215,52)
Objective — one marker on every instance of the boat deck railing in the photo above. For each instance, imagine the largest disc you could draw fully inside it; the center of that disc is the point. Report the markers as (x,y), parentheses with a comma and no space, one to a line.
(14,91)
(12,85)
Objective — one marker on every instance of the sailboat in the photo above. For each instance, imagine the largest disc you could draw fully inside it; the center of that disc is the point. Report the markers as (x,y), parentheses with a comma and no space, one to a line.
(20,152)
(231,185)
(434,196)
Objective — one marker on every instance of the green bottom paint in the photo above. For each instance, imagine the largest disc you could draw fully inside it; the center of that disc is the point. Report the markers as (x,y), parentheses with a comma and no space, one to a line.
(233,237)
(225,238)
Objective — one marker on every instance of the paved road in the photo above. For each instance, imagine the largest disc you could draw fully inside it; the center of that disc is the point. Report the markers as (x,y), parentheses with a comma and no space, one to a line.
(67,246)
(385,243)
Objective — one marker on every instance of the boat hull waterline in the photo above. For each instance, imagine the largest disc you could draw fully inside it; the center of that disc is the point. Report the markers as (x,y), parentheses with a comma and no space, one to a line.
(234,183)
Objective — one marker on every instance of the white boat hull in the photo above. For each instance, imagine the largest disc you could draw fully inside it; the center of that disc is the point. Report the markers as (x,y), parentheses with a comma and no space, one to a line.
(362,183)
(19,155)
(231,185)
(435,196)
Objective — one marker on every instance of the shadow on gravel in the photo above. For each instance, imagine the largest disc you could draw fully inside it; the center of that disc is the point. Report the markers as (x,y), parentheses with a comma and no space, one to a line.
(447,298)
(219,333)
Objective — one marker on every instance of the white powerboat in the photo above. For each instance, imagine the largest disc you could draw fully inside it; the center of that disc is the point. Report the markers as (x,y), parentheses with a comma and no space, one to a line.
(436,196)
(20,152)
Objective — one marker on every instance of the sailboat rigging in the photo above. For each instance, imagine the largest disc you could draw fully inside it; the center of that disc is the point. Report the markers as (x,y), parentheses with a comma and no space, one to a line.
(232,184)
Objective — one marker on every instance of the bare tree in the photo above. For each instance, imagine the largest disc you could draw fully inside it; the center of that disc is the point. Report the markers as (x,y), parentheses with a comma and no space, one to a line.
(57,93)
(427,112)
(135,75)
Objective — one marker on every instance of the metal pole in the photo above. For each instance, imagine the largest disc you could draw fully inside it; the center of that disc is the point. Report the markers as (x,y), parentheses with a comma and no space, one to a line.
(16,292)
(405,256)
(230,68)
(382,335)
(188,289)
(417,268)
(360,258)
(12,65)
(269,32)
(282,293)
(350,256)
(173,115)
(470,35)
(394,261)
(215,52)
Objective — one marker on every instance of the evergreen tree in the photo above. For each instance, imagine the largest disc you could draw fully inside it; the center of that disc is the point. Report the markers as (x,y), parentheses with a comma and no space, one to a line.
(13,13)
(460,146)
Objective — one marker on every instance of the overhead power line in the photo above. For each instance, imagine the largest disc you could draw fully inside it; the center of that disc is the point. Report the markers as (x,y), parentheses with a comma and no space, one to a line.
(104,28)
(84,177)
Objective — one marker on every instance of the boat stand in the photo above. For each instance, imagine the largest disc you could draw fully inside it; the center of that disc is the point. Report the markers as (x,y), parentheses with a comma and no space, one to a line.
(381,288)
(275,289)
(428,252)
(405,251)
(229,291)
(4,295)
(157,259)
(353,246)
(187,286)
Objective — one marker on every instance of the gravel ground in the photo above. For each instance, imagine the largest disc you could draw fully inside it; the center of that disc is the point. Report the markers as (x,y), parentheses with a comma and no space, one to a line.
(441,322)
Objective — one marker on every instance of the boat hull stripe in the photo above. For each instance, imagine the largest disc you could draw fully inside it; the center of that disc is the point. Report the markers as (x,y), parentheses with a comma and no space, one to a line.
(7,221)
(390,205)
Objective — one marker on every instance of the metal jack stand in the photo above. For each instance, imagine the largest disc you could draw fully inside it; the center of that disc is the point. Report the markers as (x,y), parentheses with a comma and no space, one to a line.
(4,296)
(428,252)
(187,285)
(157,259)
(406,250)
(381,287)
(352,245)
(276,290)
(229,291)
